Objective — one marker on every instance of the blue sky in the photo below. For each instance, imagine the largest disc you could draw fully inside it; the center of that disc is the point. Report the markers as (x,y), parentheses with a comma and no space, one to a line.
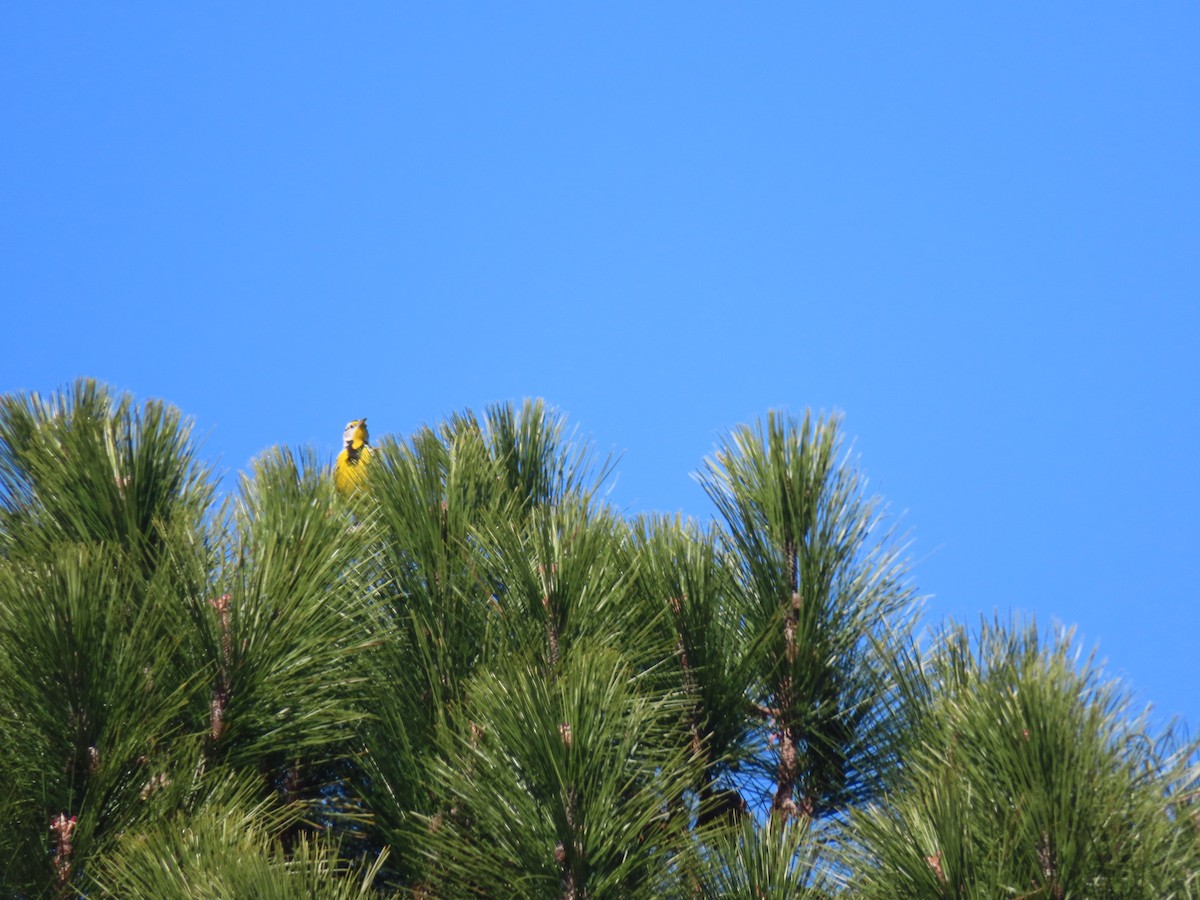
(975,231)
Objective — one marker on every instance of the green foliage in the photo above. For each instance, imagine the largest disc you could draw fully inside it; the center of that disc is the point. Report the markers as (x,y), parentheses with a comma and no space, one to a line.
(91,696)
(769,859)
(103,512)
(227,847)
(826,596)
(563,784)
(431,499)
(560,577)
(148,645)
(474,677)
(691,579)
(1027,776)
(85,466)
(296,618)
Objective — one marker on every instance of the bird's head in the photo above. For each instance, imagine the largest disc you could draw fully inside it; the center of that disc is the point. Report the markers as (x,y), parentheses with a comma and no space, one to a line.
(355,435)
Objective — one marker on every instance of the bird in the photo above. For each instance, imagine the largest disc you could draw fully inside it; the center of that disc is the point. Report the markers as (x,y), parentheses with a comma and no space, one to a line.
(350,469)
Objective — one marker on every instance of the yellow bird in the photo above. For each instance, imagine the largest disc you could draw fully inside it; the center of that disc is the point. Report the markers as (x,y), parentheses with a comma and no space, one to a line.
(350,469)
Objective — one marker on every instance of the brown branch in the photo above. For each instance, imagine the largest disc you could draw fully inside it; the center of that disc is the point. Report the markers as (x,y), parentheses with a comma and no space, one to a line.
(767,712)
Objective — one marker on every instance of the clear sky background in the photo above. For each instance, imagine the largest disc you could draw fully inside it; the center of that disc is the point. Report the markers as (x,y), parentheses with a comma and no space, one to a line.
(973,230)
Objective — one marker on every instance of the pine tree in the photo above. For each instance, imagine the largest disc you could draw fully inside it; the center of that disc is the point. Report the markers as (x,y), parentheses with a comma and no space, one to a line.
(823,597)
(155,650)
(475,677)
(1026,775)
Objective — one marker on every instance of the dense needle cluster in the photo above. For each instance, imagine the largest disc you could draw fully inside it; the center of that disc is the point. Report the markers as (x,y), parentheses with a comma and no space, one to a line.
(469,675)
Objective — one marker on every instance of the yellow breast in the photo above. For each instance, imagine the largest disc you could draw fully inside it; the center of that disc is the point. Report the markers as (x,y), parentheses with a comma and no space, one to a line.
(350,470)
